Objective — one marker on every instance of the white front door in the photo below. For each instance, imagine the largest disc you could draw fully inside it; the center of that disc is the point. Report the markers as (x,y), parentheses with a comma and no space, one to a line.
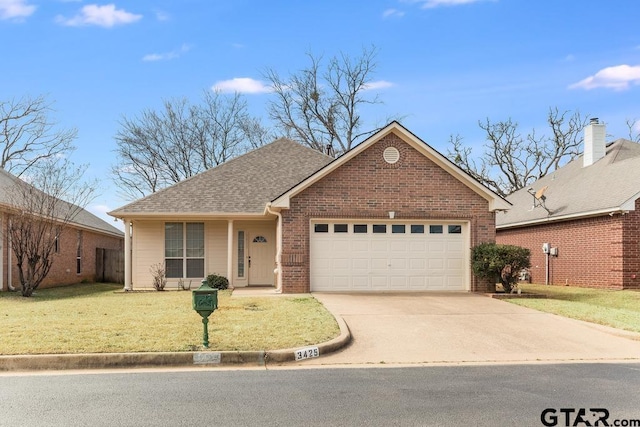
(261,258)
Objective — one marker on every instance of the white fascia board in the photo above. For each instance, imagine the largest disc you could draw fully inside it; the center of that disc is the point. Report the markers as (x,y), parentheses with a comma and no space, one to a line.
(189,215)
(630,205)
(600,212)
(281,202)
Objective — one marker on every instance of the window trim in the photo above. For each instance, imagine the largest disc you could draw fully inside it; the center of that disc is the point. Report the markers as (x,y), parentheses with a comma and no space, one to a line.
(185,259)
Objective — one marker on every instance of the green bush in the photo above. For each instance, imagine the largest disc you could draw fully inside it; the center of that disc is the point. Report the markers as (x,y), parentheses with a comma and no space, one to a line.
(217,282)
(501,263)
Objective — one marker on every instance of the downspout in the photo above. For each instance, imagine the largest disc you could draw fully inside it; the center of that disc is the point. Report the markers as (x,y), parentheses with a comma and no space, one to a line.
(9,266)
(278,269)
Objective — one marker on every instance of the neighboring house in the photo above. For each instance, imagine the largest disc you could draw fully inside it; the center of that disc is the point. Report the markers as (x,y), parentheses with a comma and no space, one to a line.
(390,214)
(588,214)
(74,259)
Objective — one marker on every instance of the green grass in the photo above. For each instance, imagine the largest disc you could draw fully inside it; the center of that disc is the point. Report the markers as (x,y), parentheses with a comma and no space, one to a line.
(98,318)
(618,309)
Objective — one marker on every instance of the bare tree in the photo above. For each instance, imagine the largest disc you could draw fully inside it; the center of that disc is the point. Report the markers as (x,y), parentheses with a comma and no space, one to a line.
(41,210)
(161,148)
(634,129)
(511,161)
(320,106)
(28,135)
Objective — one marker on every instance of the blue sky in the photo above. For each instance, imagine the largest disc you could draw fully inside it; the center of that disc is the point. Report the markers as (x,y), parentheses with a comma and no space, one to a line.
(442,64)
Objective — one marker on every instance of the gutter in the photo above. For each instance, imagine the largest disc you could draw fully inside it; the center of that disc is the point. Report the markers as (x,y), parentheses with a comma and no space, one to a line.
(610,211)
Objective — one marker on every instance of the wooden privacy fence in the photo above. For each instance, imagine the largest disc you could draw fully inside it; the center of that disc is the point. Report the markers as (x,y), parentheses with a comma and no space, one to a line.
(109,265)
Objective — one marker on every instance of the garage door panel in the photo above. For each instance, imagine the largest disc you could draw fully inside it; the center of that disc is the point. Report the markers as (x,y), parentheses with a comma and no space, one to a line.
(422,260)
(398,264)
(419,247)
(418,283)
(398,283)
(341,264)
(379,282)
(360,282)
(436,264)
(360,264)
(379,245)
(398,245)
(454,264)
(358,245)
(417,264)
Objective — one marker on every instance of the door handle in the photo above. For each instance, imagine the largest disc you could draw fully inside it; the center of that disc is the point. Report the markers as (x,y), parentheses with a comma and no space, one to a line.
(249,258)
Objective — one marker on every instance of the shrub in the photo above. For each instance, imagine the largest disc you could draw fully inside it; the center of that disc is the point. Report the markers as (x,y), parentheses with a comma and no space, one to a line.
(158,273)
(501,263)
(217,282)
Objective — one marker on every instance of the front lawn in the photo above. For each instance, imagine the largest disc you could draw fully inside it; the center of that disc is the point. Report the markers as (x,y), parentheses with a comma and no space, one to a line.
(618,309)
(98,318)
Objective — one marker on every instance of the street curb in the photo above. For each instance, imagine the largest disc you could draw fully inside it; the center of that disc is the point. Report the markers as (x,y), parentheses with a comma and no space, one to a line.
(38,362)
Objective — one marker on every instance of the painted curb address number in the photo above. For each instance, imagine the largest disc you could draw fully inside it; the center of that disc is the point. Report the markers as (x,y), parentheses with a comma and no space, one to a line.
(307,353)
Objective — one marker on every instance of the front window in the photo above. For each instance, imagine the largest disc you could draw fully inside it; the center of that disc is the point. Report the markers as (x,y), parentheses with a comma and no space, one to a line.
(240,253)
(184,249)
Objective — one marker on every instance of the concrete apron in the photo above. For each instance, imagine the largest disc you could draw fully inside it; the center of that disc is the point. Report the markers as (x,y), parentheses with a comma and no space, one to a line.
(403,328)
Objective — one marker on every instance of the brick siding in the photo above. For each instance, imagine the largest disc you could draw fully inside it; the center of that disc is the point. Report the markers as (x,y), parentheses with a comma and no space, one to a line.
(63,270)
(599,252)
(366,187)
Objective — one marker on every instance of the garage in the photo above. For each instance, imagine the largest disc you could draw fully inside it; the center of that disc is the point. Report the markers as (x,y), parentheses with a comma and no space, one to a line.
(392,255)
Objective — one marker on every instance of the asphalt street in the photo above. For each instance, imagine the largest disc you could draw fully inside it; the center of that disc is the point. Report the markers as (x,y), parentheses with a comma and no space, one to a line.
(483,395)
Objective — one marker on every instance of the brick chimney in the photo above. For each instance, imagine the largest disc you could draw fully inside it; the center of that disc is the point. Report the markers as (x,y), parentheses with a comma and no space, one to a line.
(594,142)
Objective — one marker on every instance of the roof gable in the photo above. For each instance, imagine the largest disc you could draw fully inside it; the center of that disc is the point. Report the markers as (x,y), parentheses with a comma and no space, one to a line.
(240,186)
(495,201)
(612,184)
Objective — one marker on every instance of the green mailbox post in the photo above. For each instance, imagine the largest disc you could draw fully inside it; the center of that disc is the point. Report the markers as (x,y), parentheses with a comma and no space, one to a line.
(205,301)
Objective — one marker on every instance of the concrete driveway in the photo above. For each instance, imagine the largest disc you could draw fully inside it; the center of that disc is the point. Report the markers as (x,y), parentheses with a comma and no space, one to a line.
(414,328)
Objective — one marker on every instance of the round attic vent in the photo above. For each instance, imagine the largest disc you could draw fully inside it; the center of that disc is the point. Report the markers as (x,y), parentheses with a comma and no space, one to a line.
(391,155)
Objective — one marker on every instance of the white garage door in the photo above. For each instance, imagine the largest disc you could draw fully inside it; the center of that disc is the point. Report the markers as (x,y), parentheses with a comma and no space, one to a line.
(388,255)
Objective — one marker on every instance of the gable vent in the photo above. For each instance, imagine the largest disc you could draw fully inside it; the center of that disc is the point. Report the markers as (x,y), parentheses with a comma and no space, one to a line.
(391,155)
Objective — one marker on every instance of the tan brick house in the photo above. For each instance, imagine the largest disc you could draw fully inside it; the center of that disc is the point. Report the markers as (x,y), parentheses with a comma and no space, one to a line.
(587,213)
(392,214)
(74,259)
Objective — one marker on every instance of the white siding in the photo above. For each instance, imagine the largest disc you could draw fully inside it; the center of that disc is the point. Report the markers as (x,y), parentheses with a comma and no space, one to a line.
(148,249)
(215,247)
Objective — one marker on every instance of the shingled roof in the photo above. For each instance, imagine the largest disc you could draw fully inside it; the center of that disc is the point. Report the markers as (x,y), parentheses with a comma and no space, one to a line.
(83,218)
(612,184)
(243,185)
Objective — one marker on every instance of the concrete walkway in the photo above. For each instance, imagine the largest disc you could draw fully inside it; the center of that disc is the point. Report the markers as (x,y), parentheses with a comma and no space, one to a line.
(462,327)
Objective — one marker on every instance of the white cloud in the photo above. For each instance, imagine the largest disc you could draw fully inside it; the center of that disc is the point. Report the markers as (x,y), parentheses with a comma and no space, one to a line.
(15,9)
(241,85)
(104,16)
(167,55)
(619,77)
(392,13)
(162,16)
(380,84)
(430,4)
